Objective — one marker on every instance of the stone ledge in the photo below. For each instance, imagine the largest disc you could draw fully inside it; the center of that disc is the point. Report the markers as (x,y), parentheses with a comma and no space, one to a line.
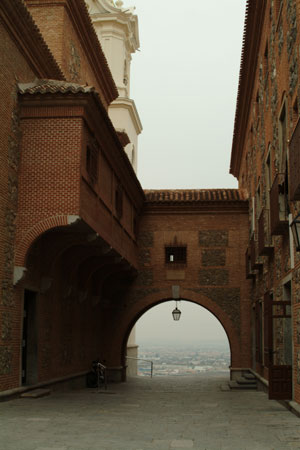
(17,392)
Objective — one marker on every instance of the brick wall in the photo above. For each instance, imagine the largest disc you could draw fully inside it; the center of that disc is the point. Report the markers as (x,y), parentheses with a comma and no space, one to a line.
(213,280)
(64,26)
(13,67)
(274,58)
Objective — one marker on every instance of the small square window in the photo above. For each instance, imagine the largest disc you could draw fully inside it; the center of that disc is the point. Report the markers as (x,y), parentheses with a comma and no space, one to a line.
(175,255)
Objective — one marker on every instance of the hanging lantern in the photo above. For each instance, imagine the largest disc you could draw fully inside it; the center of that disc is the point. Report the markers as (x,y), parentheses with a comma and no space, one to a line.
(176,313)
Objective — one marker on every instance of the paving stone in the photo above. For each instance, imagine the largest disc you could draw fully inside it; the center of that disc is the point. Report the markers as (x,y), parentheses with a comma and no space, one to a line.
(173,413)
(179,443)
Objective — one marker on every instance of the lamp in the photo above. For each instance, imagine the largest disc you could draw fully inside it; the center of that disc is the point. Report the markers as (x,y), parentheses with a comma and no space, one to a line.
(176,313)
(295,227)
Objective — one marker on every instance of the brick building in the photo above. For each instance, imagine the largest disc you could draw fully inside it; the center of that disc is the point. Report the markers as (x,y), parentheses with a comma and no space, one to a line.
(85,252)
(265,159)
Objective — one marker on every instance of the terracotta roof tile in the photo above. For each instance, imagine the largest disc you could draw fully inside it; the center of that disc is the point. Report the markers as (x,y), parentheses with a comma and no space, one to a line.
(194,195)
(53,87)
(17,17)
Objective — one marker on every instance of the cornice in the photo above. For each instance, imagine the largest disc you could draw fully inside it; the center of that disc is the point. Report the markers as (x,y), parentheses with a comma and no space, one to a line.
(129,104)
(205,208)
(195,201)
(83,25)
(103,6)
(106,11)
(23,30)
(255,11)
(125,25)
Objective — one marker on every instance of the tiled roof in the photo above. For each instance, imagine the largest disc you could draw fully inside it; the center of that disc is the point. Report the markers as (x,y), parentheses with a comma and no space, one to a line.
(18,19)
(194,195)
(254,20)
(53,87)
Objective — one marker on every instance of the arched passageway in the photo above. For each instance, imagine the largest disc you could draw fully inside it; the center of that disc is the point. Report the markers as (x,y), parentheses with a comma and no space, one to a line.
(196,344)
(121,333)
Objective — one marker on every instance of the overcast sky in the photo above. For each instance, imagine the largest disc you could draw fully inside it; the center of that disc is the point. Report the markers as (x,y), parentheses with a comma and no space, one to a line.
(184,81)
(196,326)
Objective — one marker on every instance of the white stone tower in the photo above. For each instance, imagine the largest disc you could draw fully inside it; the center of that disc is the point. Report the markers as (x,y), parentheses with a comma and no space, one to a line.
(117,30)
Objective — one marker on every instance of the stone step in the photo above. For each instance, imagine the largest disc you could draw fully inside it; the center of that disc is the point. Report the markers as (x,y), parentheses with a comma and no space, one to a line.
(249,376)
(235,385)
(243,380)
(36,393)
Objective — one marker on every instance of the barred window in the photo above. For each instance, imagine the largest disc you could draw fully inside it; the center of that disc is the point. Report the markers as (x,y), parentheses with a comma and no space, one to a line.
(175,255)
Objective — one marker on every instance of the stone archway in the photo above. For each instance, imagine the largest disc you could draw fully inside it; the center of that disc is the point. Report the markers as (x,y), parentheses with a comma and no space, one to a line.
(198,332)
(135,309)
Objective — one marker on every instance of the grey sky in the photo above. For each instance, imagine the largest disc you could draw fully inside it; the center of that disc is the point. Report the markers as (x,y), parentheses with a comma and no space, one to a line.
(196,325)
(184,82)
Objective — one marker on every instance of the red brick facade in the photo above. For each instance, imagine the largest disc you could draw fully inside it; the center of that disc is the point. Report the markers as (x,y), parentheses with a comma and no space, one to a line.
(83,250)
(265,161)
(211,225)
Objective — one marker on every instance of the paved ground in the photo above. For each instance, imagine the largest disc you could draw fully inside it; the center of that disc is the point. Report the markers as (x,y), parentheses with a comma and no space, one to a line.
(175,413)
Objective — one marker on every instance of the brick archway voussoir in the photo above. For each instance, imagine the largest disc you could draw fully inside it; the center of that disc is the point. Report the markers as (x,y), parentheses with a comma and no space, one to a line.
(36,231)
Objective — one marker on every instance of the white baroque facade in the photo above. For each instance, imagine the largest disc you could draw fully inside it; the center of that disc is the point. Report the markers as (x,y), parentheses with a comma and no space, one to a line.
(117,31)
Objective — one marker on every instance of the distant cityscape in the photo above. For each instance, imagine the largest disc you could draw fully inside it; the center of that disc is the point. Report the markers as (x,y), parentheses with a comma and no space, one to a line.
(183,359)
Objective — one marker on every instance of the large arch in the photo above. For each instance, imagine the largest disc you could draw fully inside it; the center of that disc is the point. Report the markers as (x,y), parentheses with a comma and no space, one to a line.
(139,308)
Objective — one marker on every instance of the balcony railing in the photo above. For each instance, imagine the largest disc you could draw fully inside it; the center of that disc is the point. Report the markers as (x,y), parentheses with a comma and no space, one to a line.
(255,260)
(278,210)
(265,243)
(294,166)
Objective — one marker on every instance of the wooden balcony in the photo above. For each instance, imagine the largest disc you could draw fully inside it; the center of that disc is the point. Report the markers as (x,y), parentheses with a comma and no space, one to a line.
(255,260)
(249,271)
(294,166)
(278,212)
(265,243)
